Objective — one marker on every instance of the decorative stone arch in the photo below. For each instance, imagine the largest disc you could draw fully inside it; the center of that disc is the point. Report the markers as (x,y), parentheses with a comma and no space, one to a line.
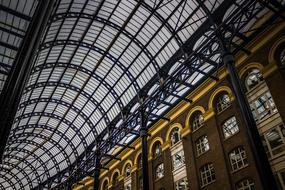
(103,182)
(173,126)
(253,65)
(112,176)
(273,49)
(189,115)
(155,140)
(245,71)
(125,165)
(216,92)
(136,160)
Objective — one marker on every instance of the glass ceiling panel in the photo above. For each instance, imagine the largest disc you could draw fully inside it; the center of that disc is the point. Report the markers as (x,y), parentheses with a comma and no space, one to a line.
(15,17)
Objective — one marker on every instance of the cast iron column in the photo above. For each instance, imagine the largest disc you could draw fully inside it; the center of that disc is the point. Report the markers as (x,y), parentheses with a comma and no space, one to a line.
(21,69)
(144,157)
(260,157)
(97,170)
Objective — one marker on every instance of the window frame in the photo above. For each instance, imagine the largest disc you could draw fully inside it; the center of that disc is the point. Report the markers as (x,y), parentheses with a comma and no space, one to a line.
(253,73)
(175,131)
(157,146)
(207,174)
(178,164)
(128,173)
(183,179)
(221,104)
(268,146)
(159,166)
(267,103)
(238,158)
(230,123)
(197,120)
(202,145)
(249,186)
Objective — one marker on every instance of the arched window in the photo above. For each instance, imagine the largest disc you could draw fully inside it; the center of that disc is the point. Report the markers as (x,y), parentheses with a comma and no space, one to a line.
(207,174)
(223,101)
(197,120)
(128,170)
(115,179)
(140,161)
(230,127)
(159,171)
(175,136)
(245,184)
(253,78)
(238,158)
(156,150)
(105,185)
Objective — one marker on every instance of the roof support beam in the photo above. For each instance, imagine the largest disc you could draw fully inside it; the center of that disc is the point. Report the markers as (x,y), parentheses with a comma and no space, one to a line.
(8,46)
(13,12)
(13,88)
(144,157)
(97,171)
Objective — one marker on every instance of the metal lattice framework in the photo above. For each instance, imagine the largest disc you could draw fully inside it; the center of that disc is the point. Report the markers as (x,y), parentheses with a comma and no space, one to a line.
(15,17)
(99,63)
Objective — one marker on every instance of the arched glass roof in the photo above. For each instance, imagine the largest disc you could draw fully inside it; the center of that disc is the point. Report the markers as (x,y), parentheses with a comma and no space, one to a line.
(96,61)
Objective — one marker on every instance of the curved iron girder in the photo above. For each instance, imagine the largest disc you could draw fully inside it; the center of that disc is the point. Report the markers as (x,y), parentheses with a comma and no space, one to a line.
(30,153)
(61,102)
(8,181)
(69,42)
(21,171)
(1,186)
(96,49)
(90,98)
(45,127)
(13,176)
(39,146)
(28,164)
(50,140)
(162,20)
(70,87)
(60,16)
(98,78)
(51,115)
(84,70)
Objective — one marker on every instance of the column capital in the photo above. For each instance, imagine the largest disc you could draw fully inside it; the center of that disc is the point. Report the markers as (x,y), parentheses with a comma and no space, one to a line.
(228,57)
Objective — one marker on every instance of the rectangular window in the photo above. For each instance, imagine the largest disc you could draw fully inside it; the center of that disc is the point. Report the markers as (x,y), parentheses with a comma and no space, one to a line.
(178,159)
(238,158)
(263,106)
(207,174)
(202,145)
(274,141)
(181,184)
